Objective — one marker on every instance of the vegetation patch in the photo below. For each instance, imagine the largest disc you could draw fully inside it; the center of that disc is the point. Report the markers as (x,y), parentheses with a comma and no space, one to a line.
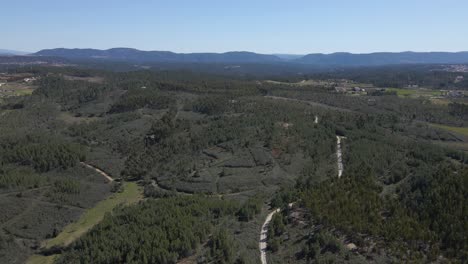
(130,194)
(459,130)
(154,231)
(414,92)
(40,259)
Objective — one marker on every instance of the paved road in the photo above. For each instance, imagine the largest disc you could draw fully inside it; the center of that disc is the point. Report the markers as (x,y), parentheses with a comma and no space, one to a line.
(109,178)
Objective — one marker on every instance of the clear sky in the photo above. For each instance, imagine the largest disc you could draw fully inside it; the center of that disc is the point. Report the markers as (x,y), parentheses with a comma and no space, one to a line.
(265,26)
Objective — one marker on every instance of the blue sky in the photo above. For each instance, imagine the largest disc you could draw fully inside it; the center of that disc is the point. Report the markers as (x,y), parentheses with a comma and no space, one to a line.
(294,27)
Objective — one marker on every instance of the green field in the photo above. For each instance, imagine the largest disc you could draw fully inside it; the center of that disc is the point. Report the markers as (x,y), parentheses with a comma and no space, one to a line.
(131,194)
(23,92)
(440,101)
(459,130)
(414,92)
(40,259)
(16,89)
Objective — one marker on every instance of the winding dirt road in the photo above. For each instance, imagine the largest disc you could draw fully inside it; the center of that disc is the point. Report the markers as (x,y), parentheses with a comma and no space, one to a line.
(339,156)
(105,175)
(263,236)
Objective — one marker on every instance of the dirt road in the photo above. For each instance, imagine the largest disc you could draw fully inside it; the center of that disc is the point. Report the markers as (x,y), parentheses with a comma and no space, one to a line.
(263,236)
(339,156)
(109,178)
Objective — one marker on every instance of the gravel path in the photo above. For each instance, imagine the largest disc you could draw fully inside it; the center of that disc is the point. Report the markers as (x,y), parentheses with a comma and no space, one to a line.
(339,156)
(109,178)
(263,236)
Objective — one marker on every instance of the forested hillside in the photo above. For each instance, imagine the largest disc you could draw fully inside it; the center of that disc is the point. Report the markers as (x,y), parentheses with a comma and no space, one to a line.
(178,166)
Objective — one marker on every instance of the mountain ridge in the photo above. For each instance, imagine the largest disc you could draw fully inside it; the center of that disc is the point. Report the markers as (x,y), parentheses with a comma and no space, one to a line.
(338,58)
(130,54)
(385,58)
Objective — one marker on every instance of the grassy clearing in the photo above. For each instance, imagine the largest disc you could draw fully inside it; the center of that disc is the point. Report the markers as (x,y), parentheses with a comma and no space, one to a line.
(459,130)
(131,194)
(70,119)
(23,92)
(302,83)
(16,89)
(440,101)
(93,79)
(414,92)
(453,145)
(39,259)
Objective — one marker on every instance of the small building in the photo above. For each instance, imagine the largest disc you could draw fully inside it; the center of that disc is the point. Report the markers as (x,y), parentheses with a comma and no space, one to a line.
(357,89)
(29,80)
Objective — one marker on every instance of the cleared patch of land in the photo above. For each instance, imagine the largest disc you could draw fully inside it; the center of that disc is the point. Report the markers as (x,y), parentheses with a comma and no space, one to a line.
(92,79)
(440,101)
(15,89)
(69,118)
(302,83)
(131,194)
(459,130)
(39,259)
(323,83)
(447,101)
(415,93)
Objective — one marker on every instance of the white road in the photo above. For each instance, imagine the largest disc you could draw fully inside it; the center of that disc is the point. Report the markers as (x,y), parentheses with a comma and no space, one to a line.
(339,156)
(105,175)
(263,236)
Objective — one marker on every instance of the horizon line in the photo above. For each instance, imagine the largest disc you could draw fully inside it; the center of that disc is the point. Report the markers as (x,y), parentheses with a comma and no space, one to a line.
(229,51)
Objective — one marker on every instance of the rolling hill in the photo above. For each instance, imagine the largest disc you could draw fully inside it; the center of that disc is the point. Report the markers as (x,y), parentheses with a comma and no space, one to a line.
(317,59)
(127,54)
(384,58)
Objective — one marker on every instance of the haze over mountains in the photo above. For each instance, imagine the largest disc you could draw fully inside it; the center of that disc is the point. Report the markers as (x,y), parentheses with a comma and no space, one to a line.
(339,59)
(383,58)
(127,54)
(6,52)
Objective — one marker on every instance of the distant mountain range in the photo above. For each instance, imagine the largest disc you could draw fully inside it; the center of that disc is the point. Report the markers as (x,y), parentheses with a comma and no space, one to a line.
(5,52)
(385,58)
(126,54)
(334,59)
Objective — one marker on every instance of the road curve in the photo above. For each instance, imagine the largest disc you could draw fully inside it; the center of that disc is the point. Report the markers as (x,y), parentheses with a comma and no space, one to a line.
(263,236)
(105,175)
